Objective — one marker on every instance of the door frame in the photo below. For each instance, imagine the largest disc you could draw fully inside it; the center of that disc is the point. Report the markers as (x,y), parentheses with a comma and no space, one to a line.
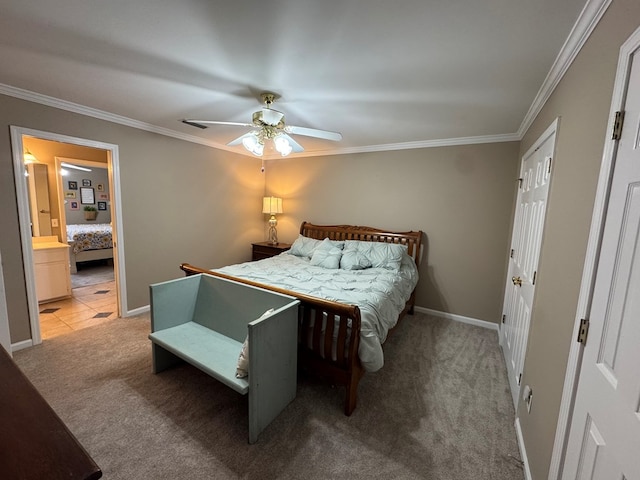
(22,198)
(5,338)
(574,361)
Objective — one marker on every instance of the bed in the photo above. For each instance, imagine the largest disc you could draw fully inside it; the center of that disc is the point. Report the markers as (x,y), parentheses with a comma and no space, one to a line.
(343,349)
(89,242)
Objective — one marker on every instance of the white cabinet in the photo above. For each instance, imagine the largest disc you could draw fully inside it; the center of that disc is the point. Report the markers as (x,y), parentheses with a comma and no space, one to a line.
(51,264)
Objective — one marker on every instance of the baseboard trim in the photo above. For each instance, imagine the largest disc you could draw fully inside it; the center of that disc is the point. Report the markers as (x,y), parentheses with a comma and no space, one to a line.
(458,318)
(137,311)
(21,345)
(523,451)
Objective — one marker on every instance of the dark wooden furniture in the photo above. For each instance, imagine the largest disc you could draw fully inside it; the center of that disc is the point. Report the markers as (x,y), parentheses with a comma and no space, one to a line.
(346,369)
(266,249)
(34,442)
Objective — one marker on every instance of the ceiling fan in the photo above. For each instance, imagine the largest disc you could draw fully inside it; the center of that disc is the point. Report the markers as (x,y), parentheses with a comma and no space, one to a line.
(269,124)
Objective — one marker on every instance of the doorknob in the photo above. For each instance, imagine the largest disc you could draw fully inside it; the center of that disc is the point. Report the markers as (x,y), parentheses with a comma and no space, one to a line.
(517,281)
(44,211)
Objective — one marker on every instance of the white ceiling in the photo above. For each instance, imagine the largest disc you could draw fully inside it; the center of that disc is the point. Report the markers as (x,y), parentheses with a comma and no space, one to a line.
(385,74)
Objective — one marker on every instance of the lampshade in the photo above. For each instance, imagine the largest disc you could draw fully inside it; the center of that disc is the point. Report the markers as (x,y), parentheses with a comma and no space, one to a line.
(271,205)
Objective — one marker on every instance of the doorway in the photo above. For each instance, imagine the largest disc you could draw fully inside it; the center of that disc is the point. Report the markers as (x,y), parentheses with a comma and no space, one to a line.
(531,206)
(110,154)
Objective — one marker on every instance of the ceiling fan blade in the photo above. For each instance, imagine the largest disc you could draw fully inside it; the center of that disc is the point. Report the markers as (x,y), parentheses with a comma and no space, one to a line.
(295,146)
(214,122)
(238,140)
(312,132)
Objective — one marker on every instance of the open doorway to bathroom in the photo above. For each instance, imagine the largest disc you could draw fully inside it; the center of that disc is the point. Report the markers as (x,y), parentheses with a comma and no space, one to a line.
(76,197)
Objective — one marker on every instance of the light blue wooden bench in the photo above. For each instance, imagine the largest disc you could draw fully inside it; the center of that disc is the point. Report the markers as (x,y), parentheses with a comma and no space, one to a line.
(204,321)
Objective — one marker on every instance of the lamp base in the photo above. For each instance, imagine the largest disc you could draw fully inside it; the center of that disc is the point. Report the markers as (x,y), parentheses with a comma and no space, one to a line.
(273,233)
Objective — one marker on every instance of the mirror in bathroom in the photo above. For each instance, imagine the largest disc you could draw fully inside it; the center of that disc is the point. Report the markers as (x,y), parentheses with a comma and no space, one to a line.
(39,206)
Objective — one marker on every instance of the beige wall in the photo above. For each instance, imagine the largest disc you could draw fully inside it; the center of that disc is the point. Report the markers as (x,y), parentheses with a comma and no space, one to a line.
(582,100)
(181,202)
(461,197)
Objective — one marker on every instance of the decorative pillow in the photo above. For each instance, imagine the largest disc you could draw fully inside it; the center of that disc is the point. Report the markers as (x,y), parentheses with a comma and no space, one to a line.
(327,254)
(378,254)
(304,246)
(242,369)
(353,259)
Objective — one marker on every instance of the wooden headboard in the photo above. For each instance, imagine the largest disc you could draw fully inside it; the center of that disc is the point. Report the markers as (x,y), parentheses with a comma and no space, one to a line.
(413,240)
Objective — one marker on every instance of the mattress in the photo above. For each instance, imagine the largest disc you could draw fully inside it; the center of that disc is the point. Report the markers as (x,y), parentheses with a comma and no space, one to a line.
(380,294)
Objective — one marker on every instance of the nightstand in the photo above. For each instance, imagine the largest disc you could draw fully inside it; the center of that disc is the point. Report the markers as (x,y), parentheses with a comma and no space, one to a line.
(265,249)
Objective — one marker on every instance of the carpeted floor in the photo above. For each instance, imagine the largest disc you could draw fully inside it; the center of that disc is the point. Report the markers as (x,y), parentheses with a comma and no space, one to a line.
(439,409)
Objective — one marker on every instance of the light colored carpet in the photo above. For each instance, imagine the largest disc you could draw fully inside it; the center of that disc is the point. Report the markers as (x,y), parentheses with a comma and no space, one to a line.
(92,274)
(439,409)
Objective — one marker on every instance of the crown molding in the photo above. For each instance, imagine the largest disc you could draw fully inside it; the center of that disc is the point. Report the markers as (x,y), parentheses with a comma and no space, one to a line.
(102,115)
(445,142)
(582,29)
(129,122)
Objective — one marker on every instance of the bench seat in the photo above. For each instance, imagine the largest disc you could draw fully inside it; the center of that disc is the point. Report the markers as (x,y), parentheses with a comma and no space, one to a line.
(210,351)
(204,320)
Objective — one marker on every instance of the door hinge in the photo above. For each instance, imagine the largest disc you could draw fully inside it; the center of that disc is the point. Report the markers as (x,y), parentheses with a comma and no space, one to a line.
(584,331)
(550,162)
(519,379)
(520,183)
(512,252)
(618,121)
(504,317)
(533,282)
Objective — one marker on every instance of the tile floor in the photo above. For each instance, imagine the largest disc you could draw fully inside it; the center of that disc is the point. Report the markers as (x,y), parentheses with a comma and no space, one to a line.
(88,306)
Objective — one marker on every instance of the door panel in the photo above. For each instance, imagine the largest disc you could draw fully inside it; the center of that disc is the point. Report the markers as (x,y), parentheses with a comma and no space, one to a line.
(526,240)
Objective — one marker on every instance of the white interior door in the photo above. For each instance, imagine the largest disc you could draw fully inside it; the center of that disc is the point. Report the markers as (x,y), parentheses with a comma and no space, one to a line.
(604,437)
(535,174)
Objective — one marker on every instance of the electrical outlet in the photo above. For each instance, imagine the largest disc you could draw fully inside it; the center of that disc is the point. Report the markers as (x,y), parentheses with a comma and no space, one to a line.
(527,396)
(54,222)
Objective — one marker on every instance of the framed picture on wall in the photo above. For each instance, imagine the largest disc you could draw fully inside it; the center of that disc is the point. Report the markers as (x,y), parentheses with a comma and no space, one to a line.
(69,194)
(102,205)
(100,187)
(73,206)
(73,185)
(103,196)
(86,182)
(87,196)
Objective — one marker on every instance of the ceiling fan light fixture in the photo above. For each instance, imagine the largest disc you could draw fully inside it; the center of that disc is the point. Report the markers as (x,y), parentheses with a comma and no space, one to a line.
(270,130)
(282,145)
(252,143)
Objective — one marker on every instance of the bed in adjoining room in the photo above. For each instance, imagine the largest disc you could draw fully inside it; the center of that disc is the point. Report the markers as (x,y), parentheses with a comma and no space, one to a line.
(89,242)
(362,277)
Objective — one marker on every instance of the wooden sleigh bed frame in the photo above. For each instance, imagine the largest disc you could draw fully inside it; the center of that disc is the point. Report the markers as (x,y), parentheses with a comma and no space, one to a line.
(346,369)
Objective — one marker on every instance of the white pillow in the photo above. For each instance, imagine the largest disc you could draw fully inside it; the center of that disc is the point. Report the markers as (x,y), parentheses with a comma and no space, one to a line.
(304,246)
(327,255)
(378,254)
(242,369)
(352,259)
